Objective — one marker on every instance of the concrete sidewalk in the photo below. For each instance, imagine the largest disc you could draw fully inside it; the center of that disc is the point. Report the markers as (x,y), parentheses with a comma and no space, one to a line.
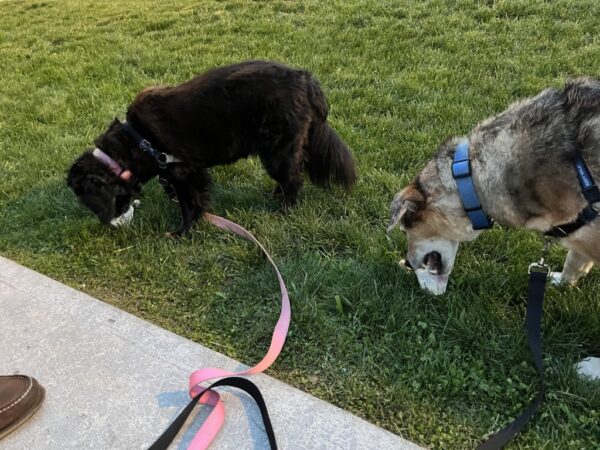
(114,381)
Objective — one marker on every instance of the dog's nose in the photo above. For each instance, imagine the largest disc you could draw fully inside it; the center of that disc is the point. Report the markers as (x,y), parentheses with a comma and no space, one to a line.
(407,264)
(433,261)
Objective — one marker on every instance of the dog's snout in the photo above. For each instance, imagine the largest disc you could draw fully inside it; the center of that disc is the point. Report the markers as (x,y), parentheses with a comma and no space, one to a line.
(407,264)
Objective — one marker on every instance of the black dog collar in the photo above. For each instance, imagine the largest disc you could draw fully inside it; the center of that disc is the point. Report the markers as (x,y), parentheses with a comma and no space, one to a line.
(162,159)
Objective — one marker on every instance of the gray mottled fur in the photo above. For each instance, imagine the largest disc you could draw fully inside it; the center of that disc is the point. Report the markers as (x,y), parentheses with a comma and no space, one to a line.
(523,174)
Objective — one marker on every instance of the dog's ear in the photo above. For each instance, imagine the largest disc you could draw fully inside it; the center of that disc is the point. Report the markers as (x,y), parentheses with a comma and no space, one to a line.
(101,197)
(79,170)
(85,172)
(92,184)
(406,207)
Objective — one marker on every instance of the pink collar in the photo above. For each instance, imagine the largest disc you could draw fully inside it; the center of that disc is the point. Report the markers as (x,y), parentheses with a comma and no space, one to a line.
(115,167)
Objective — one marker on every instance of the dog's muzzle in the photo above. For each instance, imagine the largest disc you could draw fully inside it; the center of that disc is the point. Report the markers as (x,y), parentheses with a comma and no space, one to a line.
(125,218)
(432,283)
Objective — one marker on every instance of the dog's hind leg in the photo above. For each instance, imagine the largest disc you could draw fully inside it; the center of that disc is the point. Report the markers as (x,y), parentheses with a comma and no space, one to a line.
(286,167)
(576,266)
(193,193)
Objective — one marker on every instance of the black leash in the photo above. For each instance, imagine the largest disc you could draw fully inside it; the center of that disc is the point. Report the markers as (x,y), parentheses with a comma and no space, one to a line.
(165,439)
(538,274)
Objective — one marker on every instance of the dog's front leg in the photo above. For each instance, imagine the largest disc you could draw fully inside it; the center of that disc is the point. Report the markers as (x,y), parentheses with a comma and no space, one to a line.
(576,266)
(193,193)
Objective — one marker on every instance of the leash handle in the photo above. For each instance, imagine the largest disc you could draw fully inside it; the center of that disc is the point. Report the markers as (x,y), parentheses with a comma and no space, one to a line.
(206,395)
(538,274)
(164,440)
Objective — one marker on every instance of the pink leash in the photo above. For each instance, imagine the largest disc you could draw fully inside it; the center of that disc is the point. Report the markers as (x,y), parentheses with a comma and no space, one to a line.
(213,423)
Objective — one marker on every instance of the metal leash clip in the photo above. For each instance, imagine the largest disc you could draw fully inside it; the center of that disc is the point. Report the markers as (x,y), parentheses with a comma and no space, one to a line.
(161,160)
(541,266)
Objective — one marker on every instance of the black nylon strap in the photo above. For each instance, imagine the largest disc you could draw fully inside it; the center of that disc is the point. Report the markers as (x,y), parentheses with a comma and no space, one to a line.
(583,218)
(533,323)
(586,180)
(592,195)
(165,439)
(590,191)
(160,158)
(137,137)
(145,145)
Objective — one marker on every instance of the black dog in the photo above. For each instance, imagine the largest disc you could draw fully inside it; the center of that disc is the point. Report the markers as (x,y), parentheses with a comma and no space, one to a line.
(252,108)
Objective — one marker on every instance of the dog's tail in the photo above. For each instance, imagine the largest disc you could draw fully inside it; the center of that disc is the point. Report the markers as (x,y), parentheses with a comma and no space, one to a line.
(329,160)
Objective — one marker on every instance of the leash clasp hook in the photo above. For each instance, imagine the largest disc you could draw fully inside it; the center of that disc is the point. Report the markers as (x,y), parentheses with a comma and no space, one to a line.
(541,265)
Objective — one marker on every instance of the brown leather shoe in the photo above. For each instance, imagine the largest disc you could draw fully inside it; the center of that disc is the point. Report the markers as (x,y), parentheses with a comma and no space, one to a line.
(20,397)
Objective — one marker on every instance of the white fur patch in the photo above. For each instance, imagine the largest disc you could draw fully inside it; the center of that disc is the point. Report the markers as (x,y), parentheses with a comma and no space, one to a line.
(589,367)
(556,278)
(434,284)
(123,219)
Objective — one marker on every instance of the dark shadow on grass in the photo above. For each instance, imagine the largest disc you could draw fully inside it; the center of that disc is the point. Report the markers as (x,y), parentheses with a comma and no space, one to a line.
(42,219)
(250,199)
(49,216)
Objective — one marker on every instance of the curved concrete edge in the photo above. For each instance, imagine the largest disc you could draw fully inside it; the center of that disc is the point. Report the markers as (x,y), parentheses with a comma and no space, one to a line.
(114,381)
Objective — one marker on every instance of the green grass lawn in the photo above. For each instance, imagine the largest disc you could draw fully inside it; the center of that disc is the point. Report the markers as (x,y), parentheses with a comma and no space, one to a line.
(400,77)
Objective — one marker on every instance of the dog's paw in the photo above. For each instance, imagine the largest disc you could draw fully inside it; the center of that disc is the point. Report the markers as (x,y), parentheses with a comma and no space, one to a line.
(589,367)
(559,279)
(178,234)
(124,219)
(556,278)
(174,235)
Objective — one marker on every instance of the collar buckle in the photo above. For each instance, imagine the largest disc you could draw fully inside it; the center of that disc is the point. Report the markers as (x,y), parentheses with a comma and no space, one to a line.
(161,158)
(145,145)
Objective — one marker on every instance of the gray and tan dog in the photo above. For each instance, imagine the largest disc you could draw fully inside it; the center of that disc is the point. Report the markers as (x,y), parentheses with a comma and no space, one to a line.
(523,172)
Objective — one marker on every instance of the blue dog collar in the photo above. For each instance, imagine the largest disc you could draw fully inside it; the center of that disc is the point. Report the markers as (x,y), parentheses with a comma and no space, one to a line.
(461,172)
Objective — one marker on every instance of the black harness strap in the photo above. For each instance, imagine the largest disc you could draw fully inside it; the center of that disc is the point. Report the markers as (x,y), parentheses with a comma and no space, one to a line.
(583,218)
(145,146)
(165,439)
(590,191)
(161,158)
(533,321)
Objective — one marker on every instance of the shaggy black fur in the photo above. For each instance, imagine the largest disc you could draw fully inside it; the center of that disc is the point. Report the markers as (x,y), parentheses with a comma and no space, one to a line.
(252,108)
